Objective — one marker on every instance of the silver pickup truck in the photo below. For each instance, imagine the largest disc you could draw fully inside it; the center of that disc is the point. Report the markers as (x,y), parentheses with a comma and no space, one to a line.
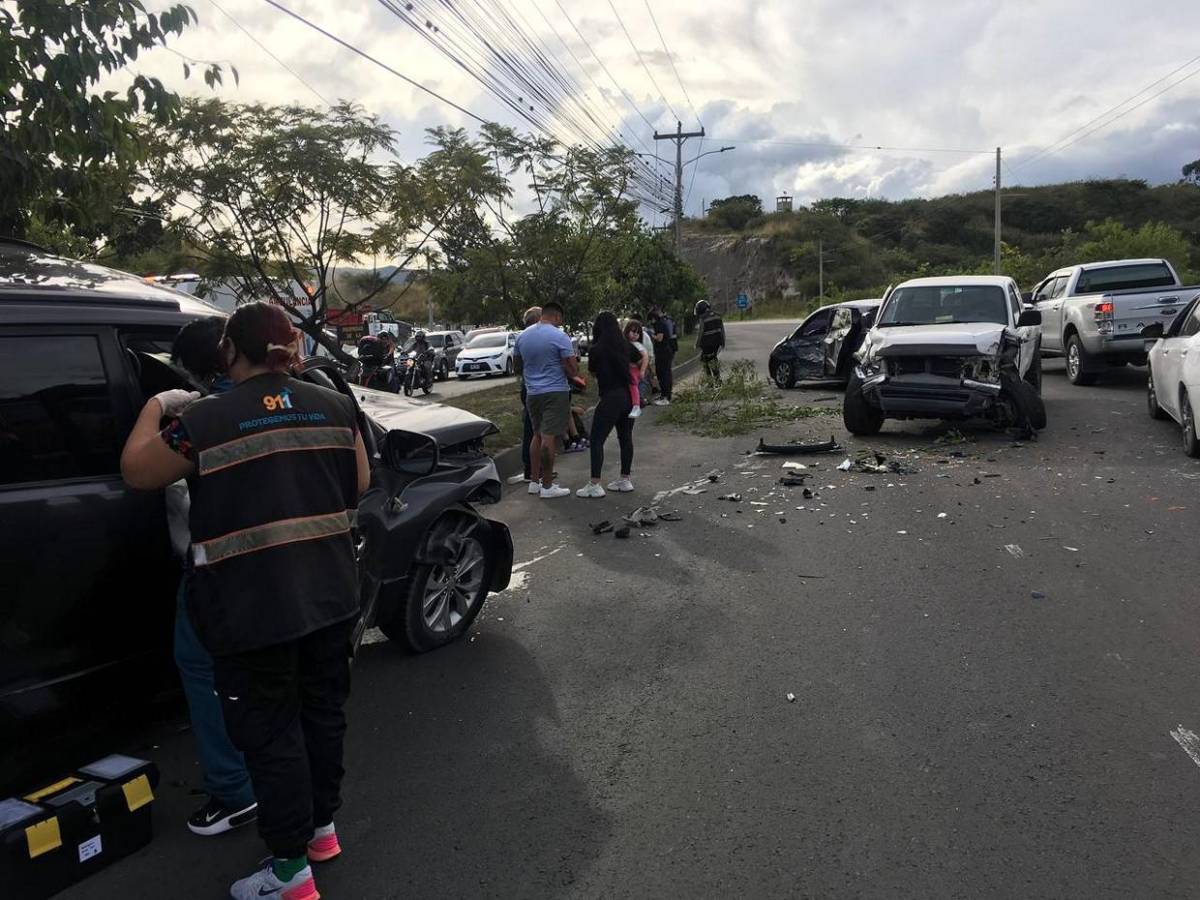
(1094,314)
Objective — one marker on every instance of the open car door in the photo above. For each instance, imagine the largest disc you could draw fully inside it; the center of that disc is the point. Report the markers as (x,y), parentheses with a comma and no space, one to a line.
(838,340)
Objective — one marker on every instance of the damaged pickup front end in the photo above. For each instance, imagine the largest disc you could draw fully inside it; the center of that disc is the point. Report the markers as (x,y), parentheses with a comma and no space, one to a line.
(957,371)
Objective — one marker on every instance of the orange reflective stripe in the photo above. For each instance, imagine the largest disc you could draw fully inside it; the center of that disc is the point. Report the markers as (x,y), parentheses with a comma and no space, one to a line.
(280,440)
(272,534)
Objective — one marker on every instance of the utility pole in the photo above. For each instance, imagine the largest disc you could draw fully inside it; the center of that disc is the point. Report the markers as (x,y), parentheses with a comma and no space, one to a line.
(679,137)
(821,268)
(996,249)
(429,288)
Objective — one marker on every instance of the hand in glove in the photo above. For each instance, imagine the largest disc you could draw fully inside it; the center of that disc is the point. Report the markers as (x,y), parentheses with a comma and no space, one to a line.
(176,401)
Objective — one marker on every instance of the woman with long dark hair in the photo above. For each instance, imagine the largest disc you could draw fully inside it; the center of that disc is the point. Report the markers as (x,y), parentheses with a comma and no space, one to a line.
(609,360)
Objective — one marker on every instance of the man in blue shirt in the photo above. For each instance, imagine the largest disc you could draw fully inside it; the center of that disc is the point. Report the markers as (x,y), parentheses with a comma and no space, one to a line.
(547,361)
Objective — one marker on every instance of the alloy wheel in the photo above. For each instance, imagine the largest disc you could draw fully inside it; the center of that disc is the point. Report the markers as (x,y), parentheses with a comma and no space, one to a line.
(453,586)
(1189,426)
(1073,361)
(783,374)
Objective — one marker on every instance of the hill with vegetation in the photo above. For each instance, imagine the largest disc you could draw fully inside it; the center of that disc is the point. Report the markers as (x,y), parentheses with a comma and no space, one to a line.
(869,243)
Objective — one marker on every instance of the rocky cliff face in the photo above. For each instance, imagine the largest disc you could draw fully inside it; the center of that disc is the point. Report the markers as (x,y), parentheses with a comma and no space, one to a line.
(730,264)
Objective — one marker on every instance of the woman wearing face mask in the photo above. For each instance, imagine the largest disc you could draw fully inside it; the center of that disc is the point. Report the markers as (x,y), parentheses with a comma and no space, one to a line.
(275,468)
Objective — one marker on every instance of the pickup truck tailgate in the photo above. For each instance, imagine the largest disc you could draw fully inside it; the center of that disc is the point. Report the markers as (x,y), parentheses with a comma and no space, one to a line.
(1134,311)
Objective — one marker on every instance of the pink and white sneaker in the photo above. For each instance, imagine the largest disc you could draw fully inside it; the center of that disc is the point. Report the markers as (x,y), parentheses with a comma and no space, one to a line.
(324,845)
(264,883)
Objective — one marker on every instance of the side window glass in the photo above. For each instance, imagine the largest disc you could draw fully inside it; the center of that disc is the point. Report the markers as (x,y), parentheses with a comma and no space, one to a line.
(1014,300)
(1059,287)
(817,324)
(1192,325)
(56,416)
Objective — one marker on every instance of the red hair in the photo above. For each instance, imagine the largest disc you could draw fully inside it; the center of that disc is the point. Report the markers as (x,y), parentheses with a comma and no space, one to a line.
(262,333)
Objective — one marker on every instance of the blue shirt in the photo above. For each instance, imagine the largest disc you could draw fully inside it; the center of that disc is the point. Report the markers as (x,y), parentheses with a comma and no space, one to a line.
(542,348)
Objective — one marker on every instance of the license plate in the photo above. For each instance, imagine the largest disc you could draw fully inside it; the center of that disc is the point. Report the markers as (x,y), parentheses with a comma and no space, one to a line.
(476,367)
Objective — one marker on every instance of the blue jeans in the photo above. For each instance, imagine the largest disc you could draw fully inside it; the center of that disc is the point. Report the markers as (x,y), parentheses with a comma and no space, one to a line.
(225,775)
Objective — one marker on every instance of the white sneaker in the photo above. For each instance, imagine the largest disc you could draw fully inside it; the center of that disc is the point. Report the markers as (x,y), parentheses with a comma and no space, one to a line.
(662,401)
(535,487)
(554,492)
(591,490)
(519,478)
(621,485)
(263,883)
(635,412)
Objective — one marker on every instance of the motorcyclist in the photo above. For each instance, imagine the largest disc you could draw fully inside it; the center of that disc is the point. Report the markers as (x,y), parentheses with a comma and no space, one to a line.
(419,345)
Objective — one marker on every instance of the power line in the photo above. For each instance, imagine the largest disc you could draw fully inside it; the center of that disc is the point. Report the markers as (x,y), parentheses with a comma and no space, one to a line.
(671,60)
(785,143)
(264,49)
(1055,148)
(382,65)
(645,67)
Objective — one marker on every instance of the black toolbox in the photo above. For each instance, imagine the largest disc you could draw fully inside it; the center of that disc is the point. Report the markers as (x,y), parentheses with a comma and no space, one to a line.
(65,831)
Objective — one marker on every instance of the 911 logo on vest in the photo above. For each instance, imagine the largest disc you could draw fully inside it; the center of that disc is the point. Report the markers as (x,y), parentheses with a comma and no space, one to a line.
(282,400)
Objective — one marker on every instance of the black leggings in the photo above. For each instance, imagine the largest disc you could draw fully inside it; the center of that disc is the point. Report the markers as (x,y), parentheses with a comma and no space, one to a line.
(612,412)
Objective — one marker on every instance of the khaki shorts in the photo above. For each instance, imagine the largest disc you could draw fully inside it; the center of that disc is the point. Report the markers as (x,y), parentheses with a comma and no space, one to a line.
(549,412)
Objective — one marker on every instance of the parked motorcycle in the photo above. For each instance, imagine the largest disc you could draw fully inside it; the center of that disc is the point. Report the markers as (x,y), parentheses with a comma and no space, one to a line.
(418,372)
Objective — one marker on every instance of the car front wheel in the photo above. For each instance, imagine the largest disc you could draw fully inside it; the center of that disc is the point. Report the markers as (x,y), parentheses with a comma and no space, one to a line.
(508,367)
(784,374)
(1156,411)
(442,599)
(858,415)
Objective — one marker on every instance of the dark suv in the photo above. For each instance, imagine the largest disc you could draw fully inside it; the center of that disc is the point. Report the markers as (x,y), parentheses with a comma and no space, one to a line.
(89,579)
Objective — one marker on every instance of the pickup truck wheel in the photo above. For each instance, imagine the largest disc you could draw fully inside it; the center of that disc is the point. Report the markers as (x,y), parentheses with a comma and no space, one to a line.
(1156,411)
(442,599)
(1034,376)
(1078,363)
(1191,444)
(784,374)
(858,416)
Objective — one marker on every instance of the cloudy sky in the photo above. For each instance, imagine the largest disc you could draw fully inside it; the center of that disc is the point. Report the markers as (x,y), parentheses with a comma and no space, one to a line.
(798,86)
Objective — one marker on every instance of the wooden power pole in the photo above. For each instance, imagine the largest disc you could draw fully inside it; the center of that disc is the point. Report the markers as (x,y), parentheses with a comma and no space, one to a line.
(679,137)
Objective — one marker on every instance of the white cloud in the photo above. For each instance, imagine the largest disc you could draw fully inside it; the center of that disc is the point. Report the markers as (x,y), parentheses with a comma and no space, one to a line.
(971,74)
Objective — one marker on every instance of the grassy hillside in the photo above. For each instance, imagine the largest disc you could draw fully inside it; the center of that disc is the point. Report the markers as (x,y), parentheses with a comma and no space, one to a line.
(871,243)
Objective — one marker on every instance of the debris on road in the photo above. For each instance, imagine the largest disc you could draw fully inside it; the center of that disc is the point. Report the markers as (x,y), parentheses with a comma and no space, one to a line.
(642,516)
(797,448)
(1014,550)
(733,498)
(793,479)
(791,698)
(601,527)
(1037,595)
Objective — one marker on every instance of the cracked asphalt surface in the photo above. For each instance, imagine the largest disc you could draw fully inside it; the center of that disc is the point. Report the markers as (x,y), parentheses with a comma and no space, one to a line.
(967,722)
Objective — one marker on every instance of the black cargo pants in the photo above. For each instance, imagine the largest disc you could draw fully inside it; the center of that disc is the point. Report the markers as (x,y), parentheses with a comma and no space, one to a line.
(284,710)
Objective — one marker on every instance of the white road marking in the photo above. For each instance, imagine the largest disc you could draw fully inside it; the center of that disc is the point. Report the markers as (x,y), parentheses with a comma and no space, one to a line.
(517,567)
(1189,741)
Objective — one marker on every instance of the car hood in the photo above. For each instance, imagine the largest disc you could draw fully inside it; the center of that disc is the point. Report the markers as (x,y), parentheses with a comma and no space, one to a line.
(446,424)
(953,339)
(480,352)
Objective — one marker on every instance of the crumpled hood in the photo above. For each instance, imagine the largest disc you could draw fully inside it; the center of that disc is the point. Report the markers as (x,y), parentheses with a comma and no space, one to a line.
(446,424)
(953,339)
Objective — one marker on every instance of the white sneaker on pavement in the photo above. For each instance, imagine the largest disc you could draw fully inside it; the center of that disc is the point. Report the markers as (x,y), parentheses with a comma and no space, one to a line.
(591,490)
(621,485)
(554,492)
(635,412)
(535,487)
(519,478)
(662,401)
(263,883)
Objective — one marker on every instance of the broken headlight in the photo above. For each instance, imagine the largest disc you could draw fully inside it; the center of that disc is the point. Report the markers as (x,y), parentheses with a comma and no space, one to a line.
(869,368)
(982,369)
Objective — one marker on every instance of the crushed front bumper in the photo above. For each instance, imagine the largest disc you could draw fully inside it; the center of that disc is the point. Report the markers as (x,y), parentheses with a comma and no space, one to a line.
(933,388)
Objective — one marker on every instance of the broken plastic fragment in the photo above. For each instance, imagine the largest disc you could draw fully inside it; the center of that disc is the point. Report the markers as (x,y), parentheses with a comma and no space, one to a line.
(829,446)
(791,698)
(845,465)
(1014,550)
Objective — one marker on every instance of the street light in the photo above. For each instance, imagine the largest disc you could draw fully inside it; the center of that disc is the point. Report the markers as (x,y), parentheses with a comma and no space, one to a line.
(707,153)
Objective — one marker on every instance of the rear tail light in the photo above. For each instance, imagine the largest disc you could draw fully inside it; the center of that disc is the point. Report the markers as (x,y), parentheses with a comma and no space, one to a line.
(1103,312)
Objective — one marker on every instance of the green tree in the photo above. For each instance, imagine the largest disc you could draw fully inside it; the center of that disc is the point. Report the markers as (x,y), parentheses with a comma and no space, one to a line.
(67,152)
(735,212)
(1112,240)
(276,198)
(1191,172)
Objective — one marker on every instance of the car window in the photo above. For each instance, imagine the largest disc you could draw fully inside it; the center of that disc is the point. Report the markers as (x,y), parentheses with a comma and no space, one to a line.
(945,304)
(1044,290)
(56,415)
(843,318)
(1014,300)
(488,340)
(815,325)
(436,340)
(1192,325)
(1127,277)
(1059,287)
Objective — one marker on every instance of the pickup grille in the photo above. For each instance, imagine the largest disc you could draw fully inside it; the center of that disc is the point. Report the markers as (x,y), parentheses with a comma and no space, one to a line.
(945,366)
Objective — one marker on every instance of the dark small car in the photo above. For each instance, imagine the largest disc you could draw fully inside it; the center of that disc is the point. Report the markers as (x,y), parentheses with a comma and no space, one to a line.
(822,347)
(88,605)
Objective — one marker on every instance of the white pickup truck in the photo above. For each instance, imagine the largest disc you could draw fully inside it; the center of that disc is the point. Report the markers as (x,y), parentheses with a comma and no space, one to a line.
(1094,314)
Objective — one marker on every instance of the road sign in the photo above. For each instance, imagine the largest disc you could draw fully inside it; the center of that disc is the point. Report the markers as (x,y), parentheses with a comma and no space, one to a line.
(743,301)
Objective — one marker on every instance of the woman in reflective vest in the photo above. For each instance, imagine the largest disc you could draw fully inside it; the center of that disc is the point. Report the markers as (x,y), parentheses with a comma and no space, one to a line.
(275,467)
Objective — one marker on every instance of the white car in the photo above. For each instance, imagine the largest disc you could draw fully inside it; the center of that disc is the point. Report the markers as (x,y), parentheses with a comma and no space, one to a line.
(487,354)
(1173,386)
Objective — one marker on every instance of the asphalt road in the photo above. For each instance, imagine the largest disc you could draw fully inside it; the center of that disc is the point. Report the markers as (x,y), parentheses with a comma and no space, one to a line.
(968,721)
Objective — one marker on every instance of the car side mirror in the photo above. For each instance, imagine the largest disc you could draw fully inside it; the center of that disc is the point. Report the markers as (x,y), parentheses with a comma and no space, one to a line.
(1029,317)
(410,452)
(1153,332)
(1027,297)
